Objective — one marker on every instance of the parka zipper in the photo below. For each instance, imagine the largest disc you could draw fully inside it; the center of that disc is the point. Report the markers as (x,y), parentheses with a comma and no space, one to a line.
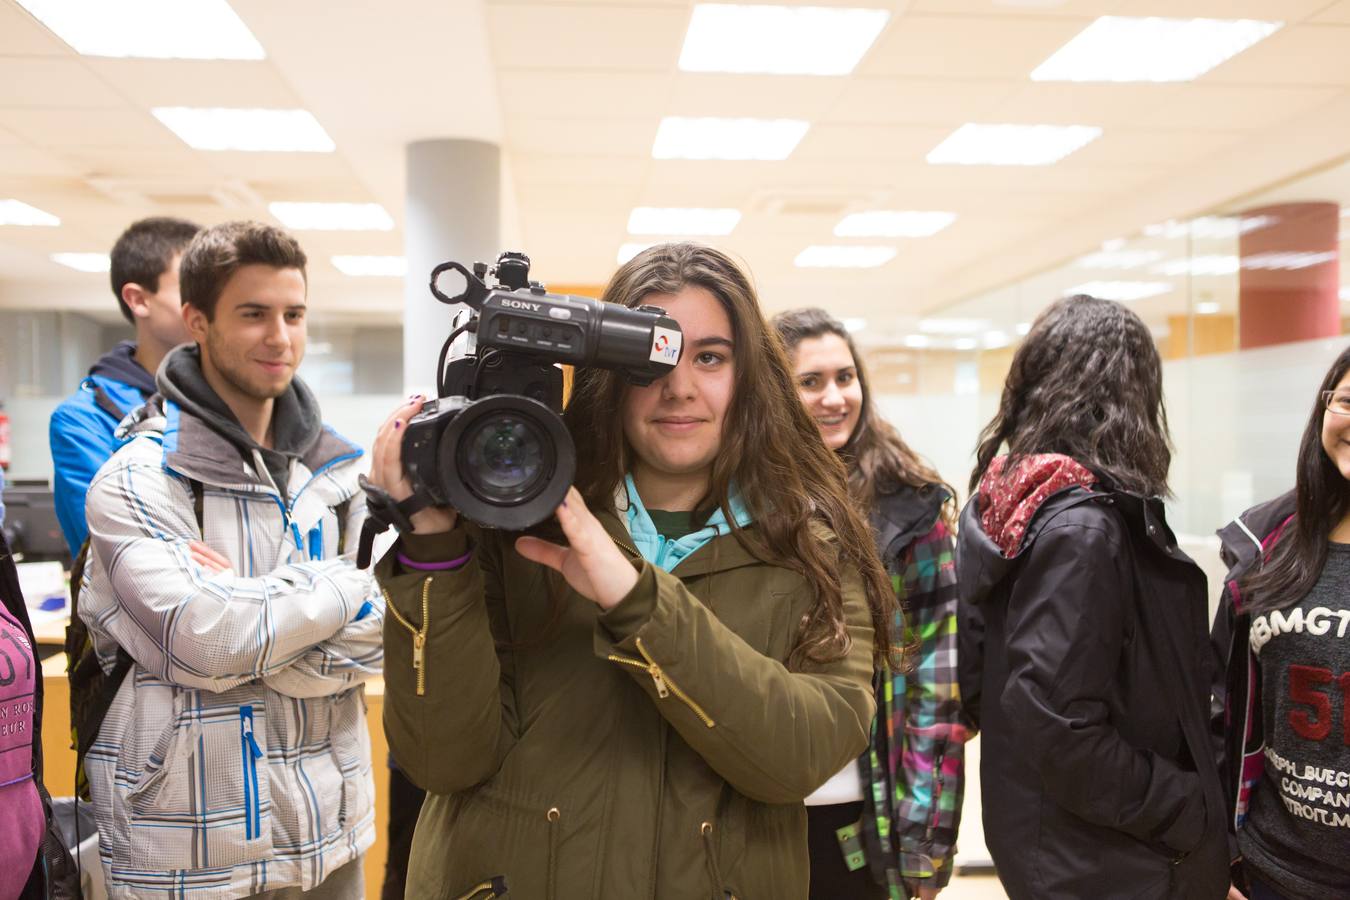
(664,686)
(251,754)
(553,815)
(419,635)
(486,890)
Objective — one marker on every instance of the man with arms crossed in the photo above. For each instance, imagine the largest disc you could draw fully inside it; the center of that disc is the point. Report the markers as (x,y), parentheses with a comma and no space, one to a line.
(234,761)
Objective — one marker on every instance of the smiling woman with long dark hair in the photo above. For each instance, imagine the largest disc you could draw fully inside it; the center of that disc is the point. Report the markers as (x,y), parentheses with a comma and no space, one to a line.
(1096,767)
(1281,632)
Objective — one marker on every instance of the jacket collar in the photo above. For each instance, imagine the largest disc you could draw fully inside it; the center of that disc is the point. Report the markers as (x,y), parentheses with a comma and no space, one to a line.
(667,554)
(903,516)
(721,554)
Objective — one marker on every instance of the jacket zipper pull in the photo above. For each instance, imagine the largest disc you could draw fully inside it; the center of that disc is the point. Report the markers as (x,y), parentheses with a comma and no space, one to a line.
(419,642)
(659,680)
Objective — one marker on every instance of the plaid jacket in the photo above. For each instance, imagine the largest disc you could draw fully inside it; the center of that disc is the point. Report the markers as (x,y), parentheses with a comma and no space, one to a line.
(235,757)
(914,772)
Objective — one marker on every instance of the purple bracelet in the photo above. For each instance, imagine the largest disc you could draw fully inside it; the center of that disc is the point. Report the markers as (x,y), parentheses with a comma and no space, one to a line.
(434,566)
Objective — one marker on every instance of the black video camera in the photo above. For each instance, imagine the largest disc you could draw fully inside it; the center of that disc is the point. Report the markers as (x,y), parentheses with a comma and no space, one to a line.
(493,444)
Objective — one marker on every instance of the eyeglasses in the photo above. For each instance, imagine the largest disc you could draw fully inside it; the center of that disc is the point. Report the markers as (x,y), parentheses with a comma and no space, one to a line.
(1336,402)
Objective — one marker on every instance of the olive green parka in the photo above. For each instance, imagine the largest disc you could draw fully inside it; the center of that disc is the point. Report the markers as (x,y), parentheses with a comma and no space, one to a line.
(660,749)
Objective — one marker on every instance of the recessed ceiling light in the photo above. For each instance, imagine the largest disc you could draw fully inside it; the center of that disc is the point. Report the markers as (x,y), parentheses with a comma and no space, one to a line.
(1119,259)
(711,138)
(993,340)
(1023,328)
(150,29)
(16,212)
(1287,261)
(332,216)
(628,251)
(827,256)
(1011,145)
(854,324)
(787,40)
(1209,227)
(893,223)
(256,130)
(1207,307)
(687,220)
(1129,48)
(372,266)
(918,341)
(965,343)
(1345,293)
(84,262)
(1121,290)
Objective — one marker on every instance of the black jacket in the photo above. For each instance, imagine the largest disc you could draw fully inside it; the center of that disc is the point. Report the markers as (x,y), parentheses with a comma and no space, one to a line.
(1096,770)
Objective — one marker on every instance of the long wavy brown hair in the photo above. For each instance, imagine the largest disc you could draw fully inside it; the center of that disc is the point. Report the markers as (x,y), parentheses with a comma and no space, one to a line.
(1087,383)
(878,459)
(771,451)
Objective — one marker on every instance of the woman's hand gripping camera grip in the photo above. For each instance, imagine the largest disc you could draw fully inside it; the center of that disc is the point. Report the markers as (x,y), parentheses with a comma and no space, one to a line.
(386,469)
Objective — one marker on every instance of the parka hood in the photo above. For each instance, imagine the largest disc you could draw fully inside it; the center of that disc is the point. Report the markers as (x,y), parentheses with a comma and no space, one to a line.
(905,515)
(1006,513)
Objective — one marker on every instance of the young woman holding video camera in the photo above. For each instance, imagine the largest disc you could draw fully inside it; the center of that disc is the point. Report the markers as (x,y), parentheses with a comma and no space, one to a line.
(636,705)
(885,826)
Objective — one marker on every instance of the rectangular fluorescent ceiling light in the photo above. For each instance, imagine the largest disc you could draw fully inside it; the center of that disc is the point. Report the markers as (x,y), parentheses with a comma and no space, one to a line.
(1011,145)
(1119,259)
(148,29)
(254,130)
(893,223)
(786,40)
(1209,227)
(683,221)
(332,216)
(16,212)
(953,326)
(1202,265)
(1129,48)
(824,256)
(84,262)
(712,138)
(1207,307)
(371,266)
(1121,290)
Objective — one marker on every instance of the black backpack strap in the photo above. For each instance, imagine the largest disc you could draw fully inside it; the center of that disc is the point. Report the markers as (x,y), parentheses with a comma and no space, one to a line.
(198,504)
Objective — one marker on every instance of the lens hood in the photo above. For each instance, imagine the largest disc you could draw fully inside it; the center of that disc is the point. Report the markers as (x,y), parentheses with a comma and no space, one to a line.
(506,461)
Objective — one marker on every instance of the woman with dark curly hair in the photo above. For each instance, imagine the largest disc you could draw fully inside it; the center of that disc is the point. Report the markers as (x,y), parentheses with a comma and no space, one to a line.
(1096,767)
(885,826)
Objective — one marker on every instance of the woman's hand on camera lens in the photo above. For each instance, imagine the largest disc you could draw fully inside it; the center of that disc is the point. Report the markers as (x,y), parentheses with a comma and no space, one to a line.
(592,563)
(386,468)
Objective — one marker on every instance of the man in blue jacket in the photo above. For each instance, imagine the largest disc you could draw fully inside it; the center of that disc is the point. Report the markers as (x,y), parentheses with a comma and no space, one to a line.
(145,281)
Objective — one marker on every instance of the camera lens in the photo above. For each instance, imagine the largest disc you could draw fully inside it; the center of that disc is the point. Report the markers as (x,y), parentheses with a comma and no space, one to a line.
(503,457)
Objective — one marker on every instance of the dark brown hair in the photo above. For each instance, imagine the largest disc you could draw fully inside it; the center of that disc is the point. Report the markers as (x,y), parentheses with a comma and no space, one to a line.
(878,459)
(144,252)
(1322,497)
(771,451)
(1086,382)
(217,253)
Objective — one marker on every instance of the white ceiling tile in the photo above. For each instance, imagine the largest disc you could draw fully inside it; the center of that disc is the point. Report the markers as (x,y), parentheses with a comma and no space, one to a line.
(894,101)
(906,143)
(1124,147)
(586,37)
(22,35)
(1221,108)
(29,82)
(1081,9)
(1335,14)
(587,95)
(1270,10)
(1103,105)
(757,96)
(581,137)
(88,128)
(1301,54)
(154,82)
(23,160)
(529,170)
(957,47)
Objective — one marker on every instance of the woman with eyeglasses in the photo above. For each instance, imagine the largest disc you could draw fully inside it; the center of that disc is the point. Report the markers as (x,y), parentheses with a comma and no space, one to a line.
(1283,631)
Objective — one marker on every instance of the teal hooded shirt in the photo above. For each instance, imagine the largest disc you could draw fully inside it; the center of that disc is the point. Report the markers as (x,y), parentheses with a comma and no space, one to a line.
(664,553)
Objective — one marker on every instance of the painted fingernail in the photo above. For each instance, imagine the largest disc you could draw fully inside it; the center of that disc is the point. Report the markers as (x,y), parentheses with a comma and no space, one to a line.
(398,423)
(564,502)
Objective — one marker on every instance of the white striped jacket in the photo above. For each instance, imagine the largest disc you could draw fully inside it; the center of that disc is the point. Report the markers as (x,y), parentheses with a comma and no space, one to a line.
(235,757)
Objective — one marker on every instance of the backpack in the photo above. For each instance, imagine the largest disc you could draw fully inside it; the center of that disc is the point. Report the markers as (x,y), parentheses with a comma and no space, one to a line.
(92,690)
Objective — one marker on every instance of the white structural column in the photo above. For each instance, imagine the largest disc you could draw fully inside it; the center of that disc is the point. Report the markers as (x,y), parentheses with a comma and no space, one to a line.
(452,212)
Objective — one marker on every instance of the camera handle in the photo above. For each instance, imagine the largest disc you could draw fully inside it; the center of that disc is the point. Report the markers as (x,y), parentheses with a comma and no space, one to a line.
(382,512)
(474,289)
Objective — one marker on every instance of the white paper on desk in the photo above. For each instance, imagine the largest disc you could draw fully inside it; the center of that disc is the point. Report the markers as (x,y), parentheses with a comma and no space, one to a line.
(42,580)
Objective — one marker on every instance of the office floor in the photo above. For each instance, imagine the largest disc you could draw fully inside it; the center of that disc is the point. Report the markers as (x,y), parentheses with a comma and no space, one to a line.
(973,887)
